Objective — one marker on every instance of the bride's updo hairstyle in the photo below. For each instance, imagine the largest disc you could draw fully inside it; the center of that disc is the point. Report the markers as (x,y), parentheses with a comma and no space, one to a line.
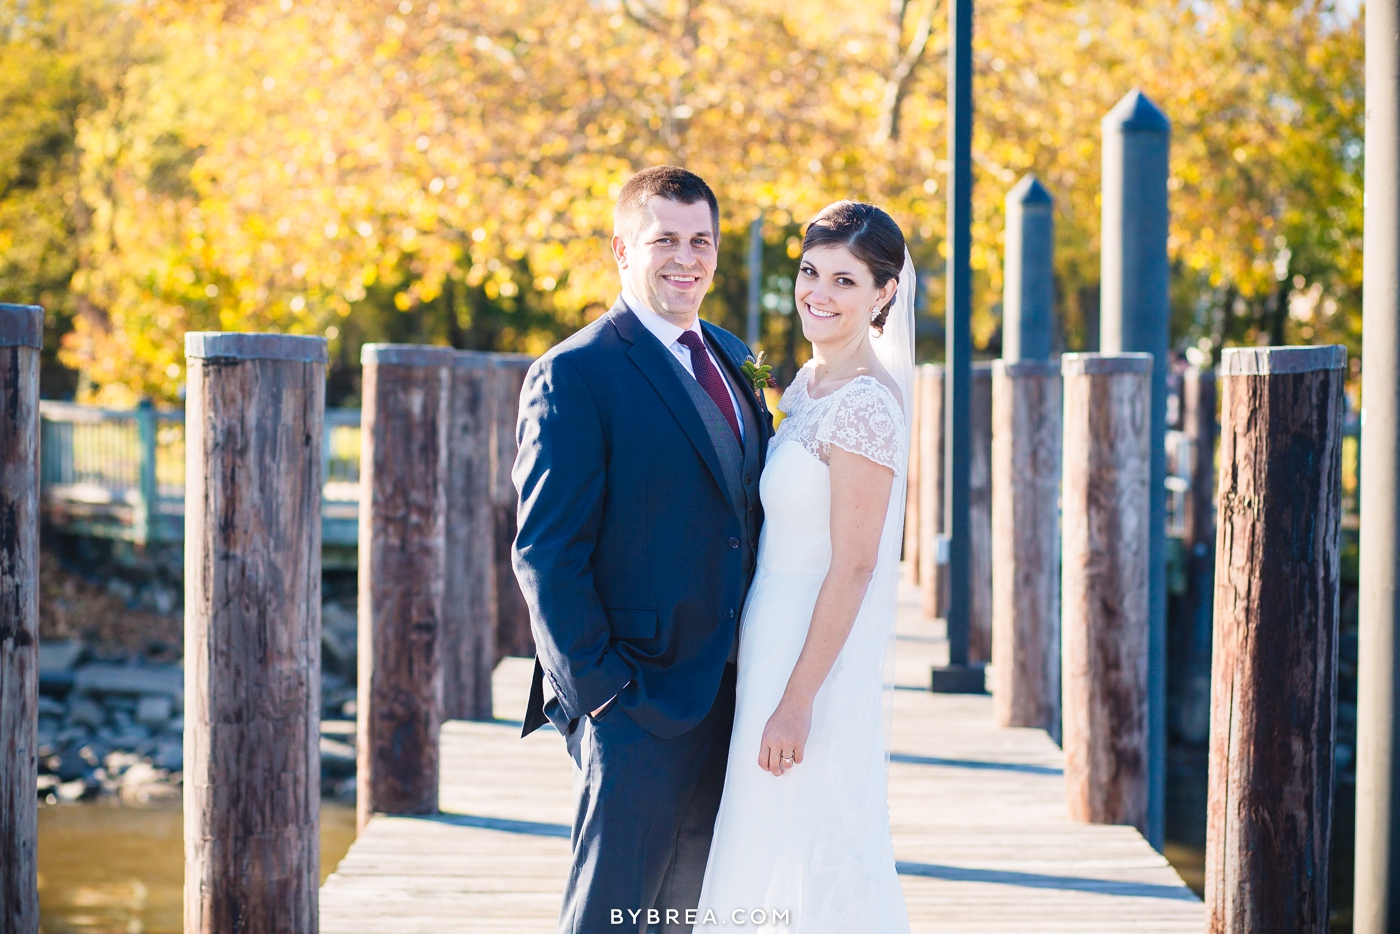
(870,234)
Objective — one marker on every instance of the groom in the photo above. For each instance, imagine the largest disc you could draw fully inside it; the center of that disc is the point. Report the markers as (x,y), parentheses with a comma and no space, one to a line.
(641,443)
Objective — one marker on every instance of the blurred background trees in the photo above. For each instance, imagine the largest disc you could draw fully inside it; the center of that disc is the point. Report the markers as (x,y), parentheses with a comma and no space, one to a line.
(444,171)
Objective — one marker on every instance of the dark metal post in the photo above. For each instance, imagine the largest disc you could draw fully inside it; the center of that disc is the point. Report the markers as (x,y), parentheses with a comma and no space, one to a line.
(146,443)
(754,329)
(957,452)
(1377,906)
(1028,302)
(1135,315)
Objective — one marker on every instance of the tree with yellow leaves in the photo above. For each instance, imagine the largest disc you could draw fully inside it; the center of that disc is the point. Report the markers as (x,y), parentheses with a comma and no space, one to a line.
(444,171)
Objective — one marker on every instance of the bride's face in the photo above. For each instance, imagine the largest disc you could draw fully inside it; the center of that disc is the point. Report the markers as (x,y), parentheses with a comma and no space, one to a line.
(836,295)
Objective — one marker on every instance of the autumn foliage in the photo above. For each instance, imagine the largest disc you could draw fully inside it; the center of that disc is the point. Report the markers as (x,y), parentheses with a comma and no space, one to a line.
(444,172)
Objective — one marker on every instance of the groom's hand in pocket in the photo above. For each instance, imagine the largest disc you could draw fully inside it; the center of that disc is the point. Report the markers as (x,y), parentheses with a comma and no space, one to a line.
(785,736)
(607,704)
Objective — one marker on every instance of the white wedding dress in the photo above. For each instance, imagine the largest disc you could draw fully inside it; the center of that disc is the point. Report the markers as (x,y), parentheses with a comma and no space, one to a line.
(810,852)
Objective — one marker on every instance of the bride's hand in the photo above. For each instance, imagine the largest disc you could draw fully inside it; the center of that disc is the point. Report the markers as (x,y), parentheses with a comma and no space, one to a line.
(785,736)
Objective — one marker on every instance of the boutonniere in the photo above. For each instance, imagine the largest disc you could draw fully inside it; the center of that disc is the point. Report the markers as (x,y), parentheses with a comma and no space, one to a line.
(759,375)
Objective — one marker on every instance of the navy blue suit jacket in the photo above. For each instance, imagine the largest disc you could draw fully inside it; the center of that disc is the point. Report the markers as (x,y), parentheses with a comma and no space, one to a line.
(624,545)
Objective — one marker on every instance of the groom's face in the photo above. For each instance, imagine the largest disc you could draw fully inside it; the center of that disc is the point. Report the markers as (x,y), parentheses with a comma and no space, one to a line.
(669,260)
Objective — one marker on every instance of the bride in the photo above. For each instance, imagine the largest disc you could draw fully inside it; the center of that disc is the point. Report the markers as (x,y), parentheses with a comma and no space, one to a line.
(802,841)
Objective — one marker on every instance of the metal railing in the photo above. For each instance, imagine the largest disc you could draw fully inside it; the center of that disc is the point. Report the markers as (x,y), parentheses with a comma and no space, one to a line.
(120,474)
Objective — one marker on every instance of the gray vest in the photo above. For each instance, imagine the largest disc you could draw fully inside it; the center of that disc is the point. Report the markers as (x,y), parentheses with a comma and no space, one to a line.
(740,464)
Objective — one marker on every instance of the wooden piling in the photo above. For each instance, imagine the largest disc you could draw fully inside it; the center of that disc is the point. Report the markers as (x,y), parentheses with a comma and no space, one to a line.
(1135,315)
(403,546)
(254,410)
(932,574)
(911,496)
(1274,672)
(1104,593)
(1192,621)
(21,336)
(1026,426)
(979,630)
(513,624)
(469,595)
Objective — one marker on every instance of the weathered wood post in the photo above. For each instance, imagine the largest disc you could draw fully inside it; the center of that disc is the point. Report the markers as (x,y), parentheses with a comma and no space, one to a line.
(513,624)
(254,410)
(1192,622)
(469,595)
(1104,602)
(403,548)
(932,574)
(1026,427)
(1026,418)
(1135,315)
(911,497)
(979,493)
(1274,677)
(21,336)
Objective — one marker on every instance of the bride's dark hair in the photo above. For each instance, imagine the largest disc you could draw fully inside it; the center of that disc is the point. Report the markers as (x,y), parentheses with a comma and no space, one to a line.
(870,234)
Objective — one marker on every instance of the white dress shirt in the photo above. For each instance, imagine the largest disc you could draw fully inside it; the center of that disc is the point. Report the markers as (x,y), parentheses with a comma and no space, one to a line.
(670,336)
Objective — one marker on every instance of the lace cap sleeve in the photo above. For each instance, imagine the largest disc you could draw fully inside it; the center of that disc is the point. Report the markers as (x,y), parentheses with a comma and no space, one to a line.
(785,404)
(867,421)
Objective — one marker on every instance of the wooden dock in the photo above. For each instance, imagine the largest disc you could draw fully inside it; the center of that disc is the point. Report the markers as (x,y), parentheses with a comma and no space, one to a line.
(980,830)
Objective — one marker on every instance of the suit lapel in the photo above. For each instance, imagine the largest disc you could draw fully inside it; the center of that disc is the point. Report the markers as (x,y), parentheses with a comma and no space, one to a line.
(743,389)
(649,356)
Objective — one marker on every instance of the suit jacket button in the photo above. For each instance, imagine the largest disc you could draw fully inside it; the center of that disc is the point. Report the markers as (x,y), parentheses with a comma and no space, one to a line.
(748,481)
(733,542)
(729,613)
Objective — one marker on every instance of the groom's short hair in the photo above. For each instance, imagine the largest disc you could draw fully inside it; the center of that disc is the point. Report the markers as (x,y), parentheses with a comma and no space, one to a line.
(659,181)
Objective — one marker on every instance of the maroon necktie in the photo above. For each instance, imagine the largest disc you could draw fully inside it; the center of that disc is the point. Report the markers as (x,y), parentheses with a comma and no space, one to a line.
(709,379)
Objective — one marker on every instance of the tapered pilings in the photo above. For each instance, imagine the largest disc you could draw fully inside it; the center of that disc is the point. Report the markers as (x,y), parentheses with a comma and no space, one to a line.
(1104,594)
(1274,662)
(1028,295)
(1135,316)
(1026,427)
(402,564)
(21,336)
(254,413)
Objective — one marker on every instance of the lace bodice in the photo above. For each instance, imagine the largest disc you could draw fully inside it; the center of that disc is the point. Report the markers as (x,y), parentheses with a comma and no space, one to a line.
(861,417)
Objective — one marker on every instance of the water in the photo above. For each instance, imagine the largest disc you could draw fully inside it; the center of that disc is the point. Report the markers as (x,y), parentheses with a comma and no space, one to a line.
(111,868)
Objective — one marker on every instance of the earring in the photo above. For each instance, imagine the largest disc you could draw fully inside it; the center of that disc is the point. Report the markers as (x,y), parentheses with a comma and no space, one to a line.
(874,312)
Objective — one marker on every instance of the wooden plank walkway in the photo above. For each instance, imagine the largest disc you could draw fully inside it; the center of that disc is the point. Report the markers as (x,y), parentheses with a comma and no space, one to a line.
(979,821)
